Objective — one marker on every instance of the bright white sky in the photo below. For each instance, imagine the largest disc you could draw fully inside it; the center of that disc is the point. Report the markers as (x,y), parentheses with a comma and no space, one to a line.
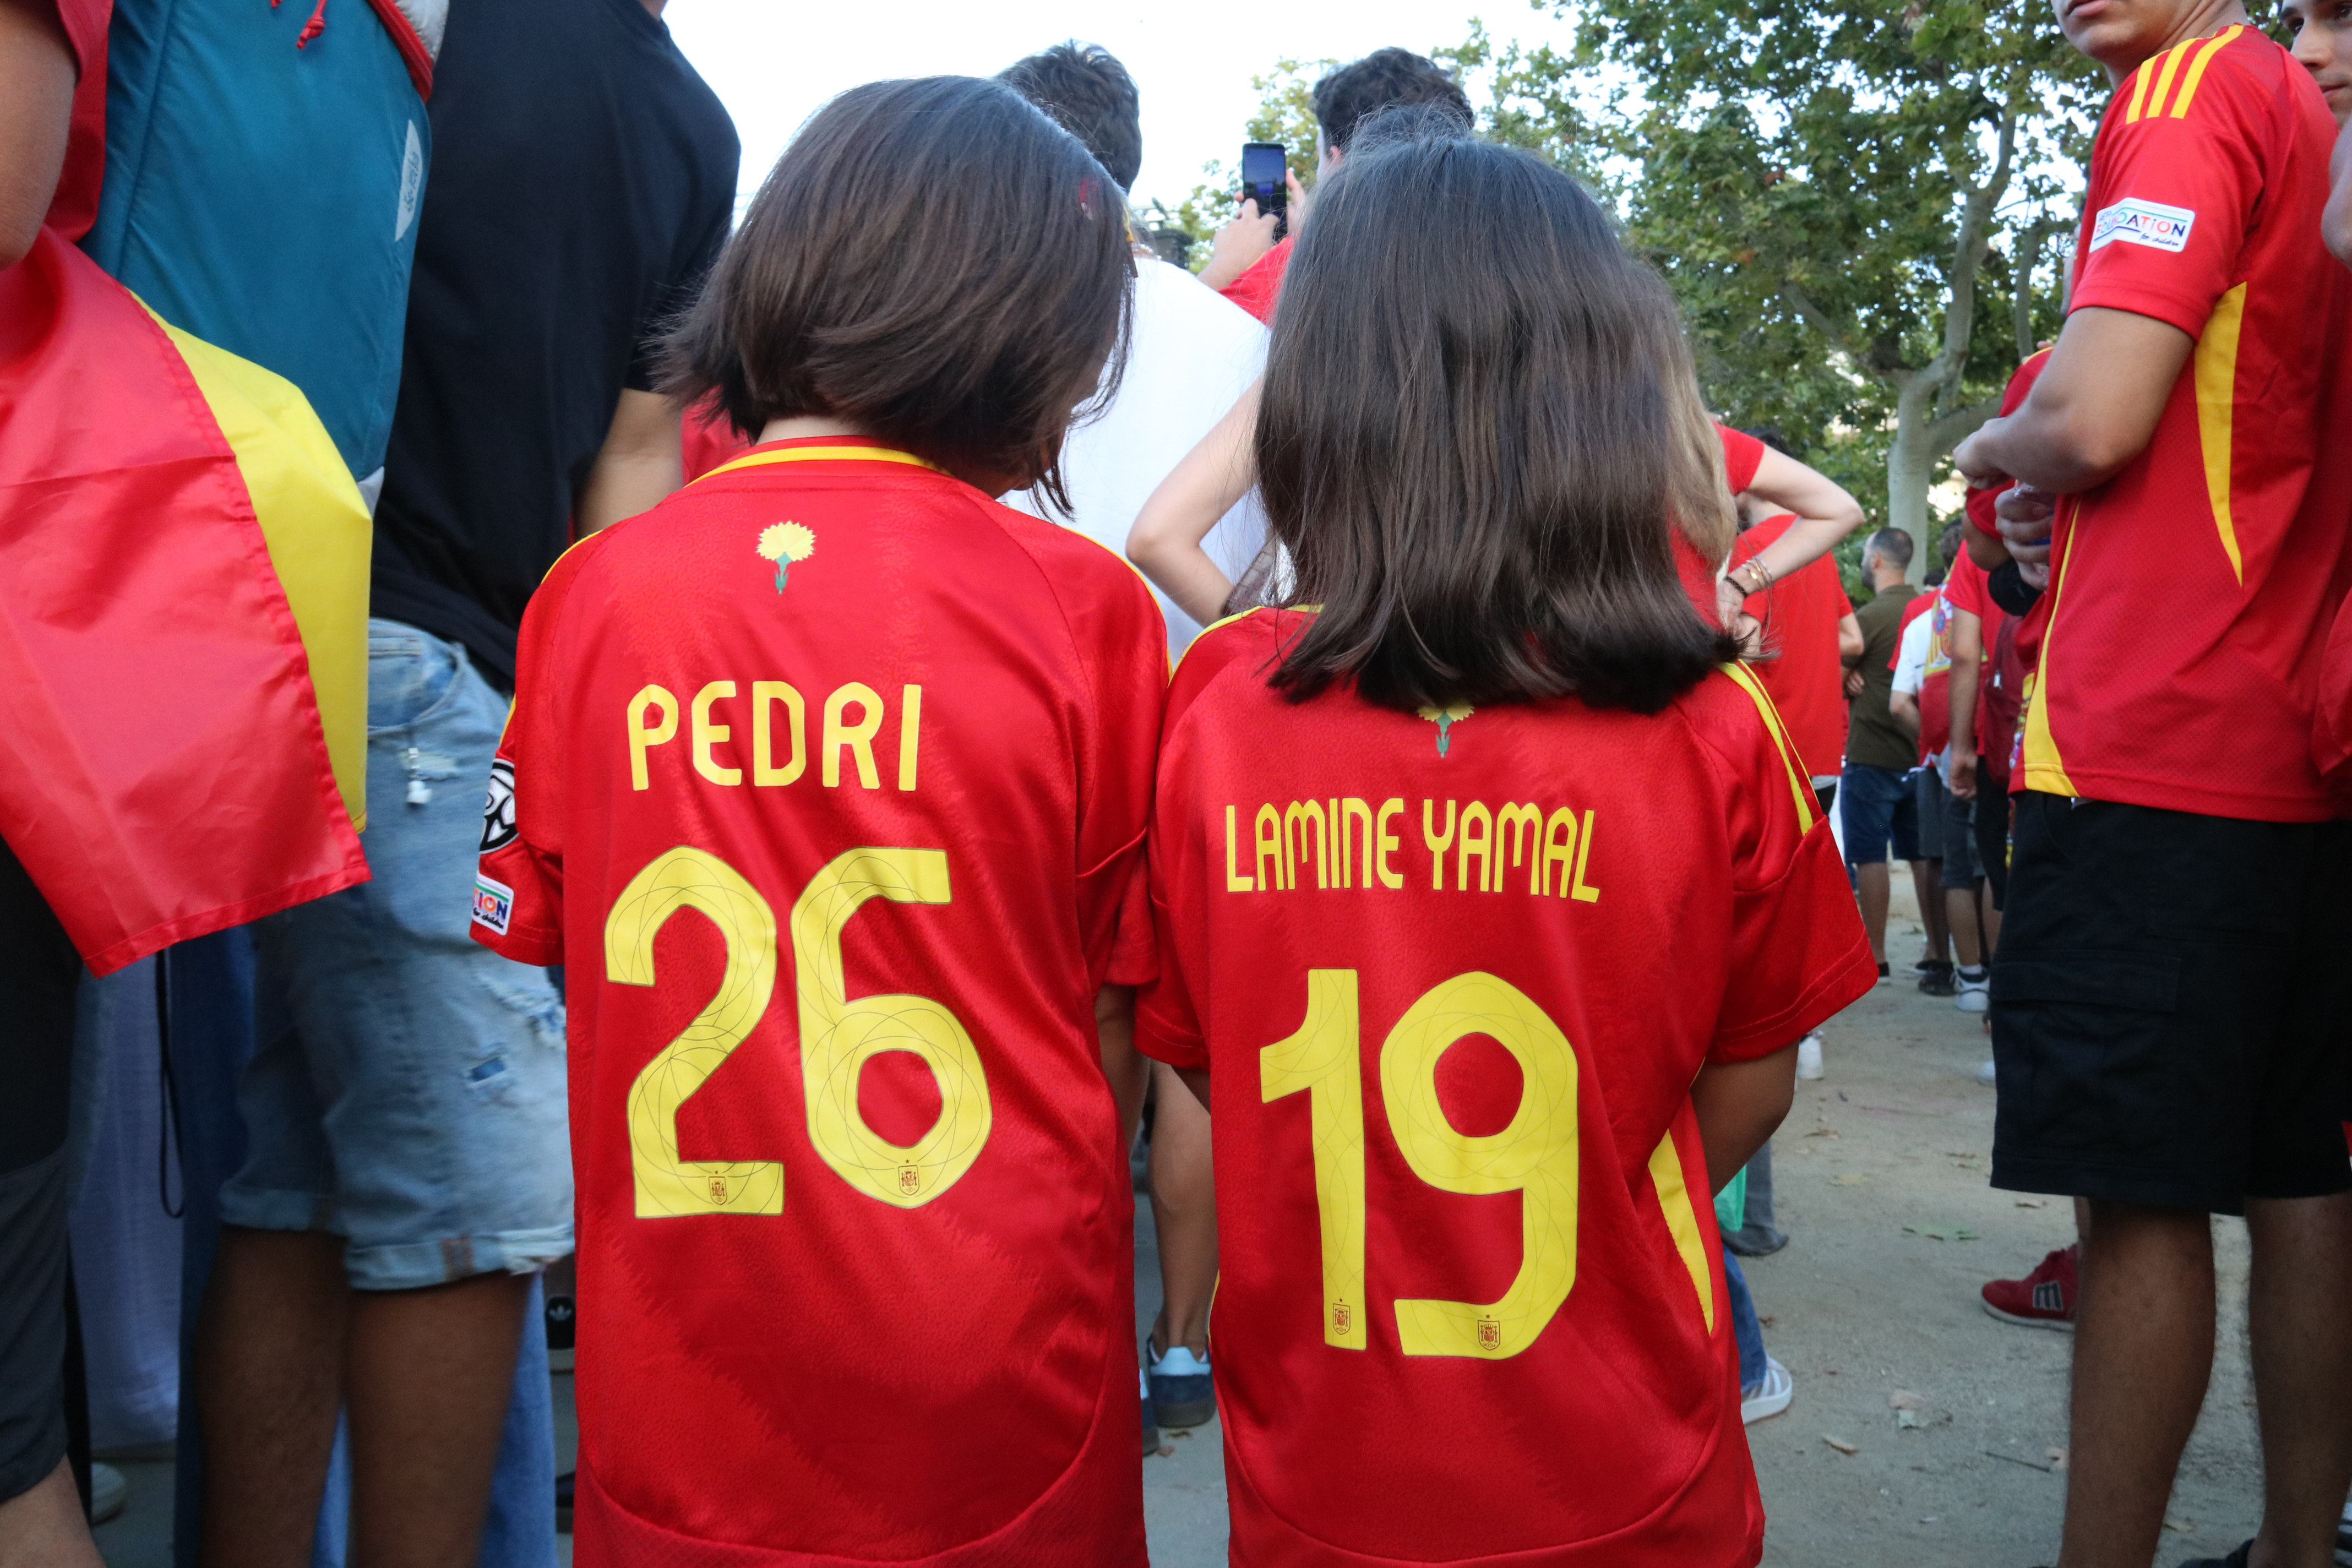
(773,62)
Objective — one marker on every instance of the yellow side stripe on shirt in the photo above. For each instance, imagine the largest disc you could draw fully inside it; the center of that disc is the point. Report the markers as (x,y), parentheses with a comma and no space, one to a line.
(820,454)
(2045,769)
(2139,91)
(1799,785)
(1682,1221)
(2217,407)
(2214,45)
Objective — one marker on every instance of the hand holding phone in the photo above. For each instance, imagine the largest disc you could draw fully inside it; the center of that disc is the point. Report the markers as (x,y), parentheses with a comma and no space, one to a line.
(1264,181)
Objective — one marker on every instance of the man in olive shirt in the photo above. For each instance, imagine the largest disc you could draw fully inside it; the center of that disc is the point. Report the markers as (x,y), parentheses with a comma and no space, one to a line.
(1874,795)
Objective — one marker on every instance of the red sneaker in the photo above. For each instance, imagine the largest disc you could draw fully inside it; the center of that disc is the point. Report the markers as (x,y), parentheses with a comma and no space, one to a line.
(2044,1299)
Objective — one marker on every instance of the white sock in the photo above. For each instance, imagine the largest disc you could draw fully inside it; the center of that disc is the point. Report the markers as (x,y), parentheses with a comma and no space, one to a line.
(1180,1361)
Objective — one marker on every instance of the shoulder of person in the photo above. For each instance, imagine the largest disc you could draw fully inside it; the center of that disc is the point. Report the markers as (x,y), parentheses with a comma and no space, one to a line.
(1250,642)
(1085,575)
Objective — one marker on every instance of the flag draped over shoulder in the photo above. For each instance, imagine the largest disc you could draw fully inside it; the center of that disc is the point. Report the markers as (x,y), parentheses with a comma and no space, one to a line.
(182,723)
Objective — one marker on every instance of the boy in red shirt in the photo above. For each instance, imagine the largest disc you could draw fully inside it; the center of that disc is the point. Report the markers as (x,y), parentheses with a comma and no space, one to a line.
(2166,1022)
(1489,939)
(828,779)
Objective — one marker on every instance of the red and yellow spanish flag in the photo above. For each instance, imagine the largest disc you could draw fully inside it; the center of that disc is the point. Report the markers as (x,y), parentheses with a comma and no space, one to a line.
(183,582)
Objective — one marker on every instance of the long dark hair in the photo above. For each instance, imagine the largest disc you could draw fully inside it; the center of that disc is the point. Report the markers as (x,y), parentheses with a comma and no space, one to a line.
(1475,441)
(932,260)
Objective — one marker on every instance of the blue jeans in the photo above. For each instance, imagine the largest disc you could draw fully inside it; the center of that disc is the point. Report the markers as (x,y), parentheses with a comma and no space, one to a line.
(1745,1328)
(1874,805)
(412,1102)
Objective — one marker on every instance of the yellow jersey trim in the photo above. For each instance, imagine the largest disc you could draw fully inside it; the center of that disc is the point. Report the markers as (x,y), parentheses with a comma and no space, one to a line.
(820,454)
(1799,785)
(1213,625)
(2214,45)
(2045,770)
(2173,56)
(1682,1221)
(2217,402)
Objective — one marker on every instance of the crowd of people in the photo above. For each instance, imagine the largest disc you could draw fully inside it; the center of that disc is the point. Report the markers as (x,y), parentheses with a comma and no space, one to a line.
(396,411)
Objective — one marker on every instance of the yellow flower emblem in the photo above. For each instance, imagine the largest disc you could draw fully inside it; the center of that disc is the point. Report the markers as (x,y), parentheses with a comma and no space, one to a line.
(786,542)
(783,544)
(1445,718)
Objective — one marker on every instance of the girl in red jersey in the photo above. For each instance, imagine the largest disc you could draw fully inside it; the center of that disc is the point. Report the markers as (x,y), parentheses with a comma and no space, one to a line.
(828,780)
(1491,898)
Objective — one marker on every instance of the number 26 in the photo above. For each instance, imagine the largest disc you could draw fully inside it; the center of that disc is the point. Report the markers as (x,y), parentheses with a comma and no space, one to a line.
(838,1034)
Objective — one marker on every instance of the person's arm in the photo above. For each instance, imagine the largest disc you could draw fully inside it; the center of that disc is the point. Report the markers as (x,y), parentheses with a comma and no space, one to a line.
(1825,514)
(1904,707)
(1165,542)
(1740,1105)
(38,73)
(1124,1067)
(2093,411)
(2337,225)
(1965,637)
(638,465)
(1197,1080)
(1850,643)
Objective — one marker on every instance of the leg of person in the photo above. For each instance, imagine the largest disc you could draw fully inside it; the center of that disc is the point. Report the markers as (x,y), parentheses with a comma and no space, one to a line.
(1184,1213)
(41,1521)
(269,1384)
(2145,986)
(1962,876)
(2302,1340)
(2143,1353)
(439,1070)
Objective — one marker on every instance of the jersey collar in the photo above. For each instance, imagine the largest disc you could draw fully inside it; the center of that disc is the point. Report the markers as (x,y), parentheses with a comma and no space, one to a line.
(820,448)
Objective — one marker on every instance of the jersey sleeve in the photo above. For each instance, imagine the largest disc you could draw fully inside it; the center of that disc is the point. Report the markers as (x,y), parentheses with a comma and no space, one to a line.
(1123,643)
(519,883)
(1798,954)
(1742,454)
(2178,177)
(1256,289)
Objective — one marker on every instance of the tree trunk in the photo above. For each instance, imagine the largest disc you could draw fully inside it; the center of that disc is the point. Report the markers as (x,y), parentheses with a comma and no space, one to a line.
(1910,465)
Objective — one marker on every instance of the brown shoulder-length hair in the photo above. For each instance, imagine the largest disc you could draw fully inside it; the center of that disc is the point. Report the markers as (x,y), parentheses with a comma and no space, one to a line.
(933,261)
(1479,432)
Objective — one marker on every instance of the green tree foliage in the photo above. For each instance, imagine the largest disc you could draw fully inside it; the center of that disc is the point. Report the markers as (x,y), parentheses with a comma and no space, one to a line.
(1863,209)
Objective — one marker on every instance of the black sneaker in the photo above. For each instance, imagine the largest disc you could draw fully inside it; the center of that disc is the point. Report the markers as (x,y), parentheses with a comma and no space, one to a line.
(1939,979)
(1181,1393)
(562,1320)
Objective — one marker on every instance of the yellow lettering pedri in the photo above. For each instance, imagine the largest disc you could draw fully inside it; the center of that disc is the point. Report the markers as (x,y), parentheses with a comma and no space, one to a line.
(857,737)
(910,733)
(644,736)
(764,693)
(707,735)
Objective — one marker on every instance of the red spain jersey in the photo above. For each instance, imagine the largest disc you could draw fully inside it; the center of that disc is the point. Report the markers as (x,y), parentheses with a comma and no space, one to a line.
(827,781)
(1452,976)
(2191,593)
(1805,676)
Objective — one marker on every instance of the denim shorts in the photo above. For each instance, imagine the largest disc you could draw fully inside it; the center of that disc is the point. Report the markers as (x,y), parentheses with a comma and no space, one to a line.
(415,1102)
(1875,804)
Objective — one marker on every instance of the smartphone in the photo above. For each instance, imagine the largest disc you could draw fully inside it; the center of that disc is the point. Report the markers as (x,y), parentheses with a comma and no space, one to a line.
(1262,166)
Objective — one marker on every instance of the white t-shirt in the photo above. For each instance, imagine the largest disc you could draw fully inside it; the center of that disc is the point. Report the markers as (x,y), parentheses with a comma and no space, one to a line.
(1192,356)
(1911,657)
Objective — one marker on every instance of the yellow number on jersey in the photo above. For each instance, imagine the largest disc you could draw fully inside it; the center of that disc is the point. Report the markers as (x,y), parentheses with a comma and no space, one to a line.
(689,879)
(1534,1156)
(838,1034)
(1322,1060)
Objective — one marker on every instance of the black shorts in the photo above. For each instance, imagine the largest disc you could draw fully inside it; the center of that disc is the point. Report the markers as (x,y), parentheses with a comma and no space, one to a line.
(1992,835)
(2167,1019)
(38,974)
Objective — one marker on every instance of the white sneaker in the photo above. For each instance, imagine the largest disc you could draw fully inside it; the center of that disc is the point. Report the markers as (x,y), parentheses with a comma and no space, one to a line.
(1975,996)
(1984,1073)
(108,1493)
(1761,1401)
(1809,1057)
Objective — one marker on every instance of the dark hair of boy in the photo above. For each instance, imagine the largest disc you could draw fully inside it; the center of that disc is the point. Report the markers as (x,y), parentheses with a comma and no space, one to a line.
(1385,78)
(933,261)
(1468,441)
(1088,93)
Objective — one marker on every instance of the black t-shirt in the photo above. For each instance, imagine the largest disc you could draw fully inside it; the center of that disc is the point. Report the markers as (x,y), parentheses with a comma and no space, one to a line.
(583,180)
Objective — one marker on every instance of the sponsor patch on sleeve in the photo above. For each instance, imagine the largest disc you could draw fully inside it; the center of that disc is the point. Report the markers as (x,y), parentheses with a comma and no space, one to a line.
(493,904)
(2135,222)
